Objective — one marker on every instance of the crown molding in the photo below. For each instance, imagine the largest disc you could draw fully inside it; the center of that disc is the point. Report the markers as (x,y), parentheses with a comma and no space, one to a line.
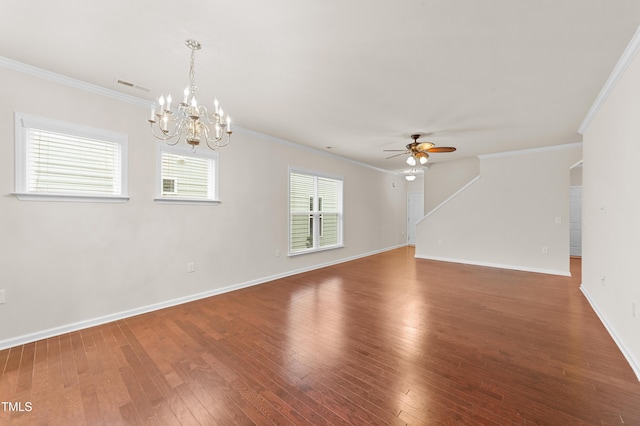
(625,60)
(314,150)
(99,90)
(531,150)
(71,82)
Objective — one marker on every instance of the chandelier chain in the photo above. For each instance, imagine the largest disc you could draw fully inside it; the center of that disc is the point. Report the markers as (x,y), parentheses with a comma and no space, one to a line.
(192,71)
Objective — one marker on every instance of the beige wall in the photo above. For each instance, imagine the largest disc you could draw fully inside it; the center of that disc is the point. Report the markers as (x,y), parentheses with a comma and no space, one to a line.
(508,215)
(417,185)
(611,208)
(576,176)
(445,178)
(66,265)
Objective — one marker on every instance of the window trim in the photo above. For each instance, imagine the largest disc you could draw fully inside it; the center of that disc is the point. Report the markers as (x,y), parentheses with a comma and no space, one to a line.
(22,122)
(315,174)
(161,147)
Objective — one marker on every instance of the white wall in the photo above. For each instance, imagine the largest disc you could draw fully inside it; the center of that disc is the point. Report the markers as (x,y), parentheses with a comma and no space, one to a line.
(417,185)
(508,215)
(611,208)
(67,265)
(445,178)
(576,176)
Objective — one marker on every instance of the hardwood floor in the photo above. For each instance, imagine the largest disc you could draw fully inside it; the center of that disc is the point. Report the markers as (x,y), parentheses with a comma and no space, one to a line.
(382,340)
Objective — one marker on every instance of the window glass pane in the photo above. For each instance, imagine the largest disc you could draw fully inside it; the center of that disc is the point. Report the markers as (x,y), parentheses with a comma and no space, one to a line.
(301,233)
(186,176)
(168,186)
(315,209)
(301,192)
(330,193)
(329,232)
(66,164)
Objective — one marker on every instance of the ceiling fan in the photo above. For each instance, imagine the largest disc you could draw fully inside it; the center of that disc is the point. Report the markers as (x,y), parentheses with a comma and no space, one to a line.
(420,151)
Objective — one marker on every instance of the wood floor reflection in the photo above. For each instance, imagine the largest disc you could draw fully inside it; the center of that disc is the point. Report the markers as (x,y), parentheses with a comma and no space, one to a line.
(384,340)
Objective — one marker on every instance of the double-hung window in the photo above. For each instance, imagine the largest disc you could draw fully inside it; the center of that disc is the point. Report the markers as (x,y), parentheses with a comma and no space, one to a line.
(315,212)
(186,176)
(62,161)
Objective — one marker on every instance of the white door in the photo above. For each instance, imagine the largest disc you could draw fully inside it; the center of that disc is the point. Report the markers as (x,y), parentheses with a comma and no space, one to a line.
(575,221)
(415,212)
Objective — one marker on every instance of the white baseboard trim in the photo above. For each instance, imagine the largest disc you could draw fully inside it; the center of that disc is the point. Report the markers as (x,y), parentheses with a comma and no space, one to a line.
(497,265)
(80,325)
(633,362)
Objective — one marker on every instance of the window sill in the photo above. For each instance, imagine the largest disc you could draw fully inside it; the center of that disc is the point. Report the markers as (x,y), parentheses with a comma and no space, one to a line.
(70,198)
(186,201)
(298,253)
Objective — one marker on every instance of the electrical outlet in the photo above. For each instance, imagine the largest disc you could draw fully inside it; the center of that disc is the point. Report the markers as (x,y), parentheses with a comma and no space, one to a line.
(545,250)
(1,297)
(558,219)
(191,267)
(277,252)
(603,280)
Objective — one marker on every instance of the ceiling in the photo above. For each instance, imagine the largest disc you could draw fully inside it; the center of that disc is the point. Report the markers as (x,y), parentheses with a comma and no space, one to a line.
(357,76)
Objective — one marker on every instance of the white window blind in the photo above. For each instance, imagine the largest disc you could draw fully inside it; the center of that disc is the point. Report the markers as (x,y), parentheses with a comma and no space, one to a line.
(315,212)
(301,200)
(186,176)
(330,208)
(66,164)
(55,159)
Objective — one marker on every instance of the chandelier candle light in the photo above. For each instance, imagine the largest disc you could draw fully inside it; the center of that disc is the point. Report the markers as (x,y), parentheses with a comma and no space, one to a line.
(191,120)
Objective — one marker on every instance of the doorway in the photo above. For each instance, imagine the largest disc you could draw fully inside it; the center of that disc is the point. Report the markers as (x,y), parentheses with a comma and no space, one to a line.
(415,212)
(575,211)
(575,221)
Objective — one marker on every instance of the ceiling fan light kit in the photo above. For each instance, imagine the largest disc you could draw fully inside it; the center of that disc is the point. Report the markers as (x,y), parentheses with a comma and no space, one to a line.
(412,175)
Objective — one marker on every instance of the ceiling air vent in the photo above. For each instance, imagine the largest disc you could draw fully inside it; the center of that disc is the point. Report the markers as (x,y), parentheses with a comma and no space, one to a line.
(134,86)
(125,83)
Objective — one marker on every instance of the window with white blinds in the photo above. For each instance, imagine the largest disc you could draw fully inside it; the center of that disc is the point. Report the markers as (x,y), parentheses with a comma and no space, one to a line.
(57,159)
(315,212)
(185,175)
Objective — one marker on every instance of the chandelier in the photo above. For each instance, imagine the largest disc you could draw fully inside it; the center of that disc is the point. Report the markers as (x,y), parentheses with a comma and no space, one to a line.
(190,120)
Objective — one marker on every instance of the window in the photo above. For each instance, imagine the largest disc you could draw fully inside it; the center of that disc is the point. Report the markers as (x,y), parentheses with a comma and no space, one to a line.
(64,161)
(185,176)
(315,212)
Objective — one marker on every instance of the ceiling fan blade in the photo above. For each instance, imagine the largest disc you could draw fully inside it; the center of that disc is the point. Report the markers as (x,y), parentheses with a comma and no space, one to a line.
(424,146)
(402,153)
(441,149)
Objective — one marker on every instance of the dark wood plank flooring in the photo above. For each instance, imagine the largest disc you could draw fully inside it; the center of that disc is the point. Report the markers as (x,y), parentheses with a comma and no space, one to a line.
(384,340)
